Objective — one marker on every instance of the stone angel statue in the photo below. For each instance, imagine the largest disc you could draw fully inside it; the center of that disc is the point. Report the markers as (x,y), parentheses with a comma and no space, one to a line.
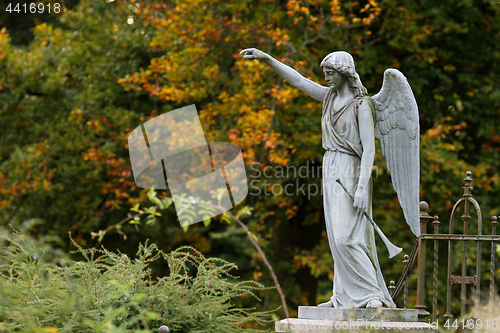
(350,122)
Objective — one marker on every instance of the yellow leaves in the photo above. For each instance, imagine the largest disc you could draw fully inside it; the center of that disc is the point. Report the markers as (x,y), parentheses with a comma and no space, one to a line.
(300,10)
(368,20)
(270,144)
(305,10)
(4,34)
(284,94)
(427,30)
(257,275)
(339,19)
(185,75)
(334,7)
(279,36)
(211,72)
(279,157)
(344,14)
(92,154)
(449,68)
(95,125)
(224,96)
(357,38)
(293,6)
(444,131)
(76,115)
(365,8)
(372,7)
(296,20)
(251,72)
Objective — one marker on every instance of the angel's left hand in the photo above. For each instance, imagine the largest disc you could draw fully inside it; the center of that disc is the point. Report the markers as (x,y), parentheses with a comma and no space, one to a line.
(361,199)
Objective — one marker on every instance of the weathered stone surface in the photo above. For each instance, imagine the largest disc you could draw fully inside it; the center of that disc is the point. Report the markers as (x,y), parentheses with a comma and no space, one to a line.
(297,325)
(386,314)
(349,125)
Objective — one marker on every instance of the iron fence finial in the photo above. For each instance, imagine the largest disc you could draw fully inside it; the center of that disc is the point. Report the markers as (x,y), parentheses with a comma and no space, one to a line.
(467,186)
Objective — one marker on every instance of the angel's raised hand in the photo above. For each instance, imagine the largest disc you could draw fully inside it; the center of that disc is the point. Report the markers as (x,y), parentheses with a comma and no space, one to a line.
(253,53)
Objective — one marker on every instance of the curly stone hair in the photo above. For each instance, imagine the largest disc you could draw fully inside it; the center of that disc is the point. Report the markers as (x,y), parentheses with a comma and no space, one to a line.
(343,63)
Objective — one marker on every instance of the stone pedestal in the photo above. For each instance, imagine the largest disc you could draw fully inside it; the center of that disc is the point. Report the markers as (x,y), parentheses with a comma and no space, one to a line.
(313,319)
(385,314)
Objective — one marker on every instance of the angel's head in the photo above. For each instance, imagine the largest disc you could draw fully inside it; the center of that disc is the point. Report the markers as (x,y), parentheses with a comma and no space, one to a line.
(343,63)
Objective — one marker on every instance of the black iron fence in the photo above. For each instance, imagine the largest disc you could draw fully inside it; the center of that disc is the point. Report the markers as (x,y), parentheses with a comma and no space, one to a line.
(419,255)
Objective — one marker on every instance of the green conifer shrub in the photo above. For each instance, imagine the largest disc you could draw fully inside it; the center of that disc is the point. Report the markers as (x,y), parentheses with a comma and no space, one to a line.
(42,290)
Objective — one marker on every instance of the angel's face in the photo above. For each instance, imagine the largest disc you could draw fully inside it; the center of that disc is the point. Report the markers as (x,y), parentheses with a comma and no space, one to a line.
(333,78)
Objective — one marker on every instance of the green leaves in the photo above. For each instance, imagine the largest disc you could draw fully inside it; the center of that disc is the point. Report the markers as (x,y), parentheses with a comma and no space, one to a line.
(110,291)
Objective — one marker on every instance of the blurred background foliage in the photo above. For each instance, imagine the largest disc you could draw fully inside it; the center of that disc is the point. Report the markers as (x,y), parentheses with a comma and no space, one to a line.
(73,89)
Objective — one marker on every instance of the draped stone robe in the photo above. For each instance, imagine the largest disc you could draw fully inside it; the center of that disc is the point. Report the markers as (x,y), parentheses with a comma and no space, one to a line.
(357,275)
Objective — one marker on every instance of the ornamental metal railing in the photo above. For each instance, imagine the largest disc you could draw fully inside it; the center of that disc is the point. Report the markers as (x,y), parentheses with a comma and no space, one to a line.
(419,253)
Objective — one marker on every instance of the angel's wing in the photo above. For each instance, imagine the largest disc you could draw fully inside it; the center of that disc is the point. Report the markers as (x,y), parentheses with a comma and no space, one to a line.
(397,128)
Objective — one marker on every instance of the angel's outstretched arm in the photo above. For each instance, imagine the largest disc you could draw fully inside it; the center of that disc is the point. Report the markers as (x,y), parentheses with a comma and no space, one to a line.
(297,80)
(367,135)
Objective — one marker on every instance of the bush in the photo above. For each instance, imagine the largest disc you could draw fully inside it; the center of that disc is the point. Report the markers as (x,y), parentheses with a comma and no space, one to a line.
(44,291)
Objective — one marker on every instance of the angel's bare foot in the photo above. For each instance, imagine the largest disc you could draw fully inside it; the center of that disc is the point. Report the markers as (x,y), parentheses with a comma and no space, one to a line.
(374,304)
(328,304)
